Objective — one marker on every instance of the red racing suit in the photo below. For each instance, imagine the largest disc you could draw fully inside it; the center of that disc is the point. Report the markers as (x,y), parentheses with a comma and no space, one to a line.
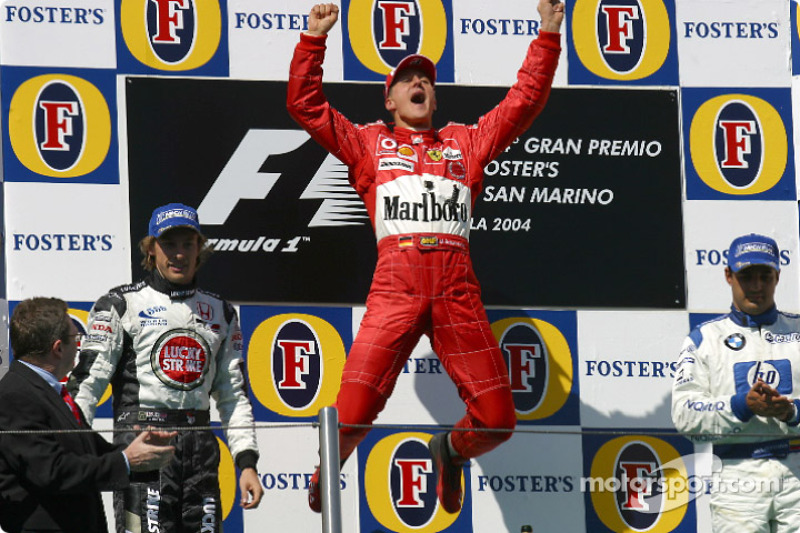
(419,189)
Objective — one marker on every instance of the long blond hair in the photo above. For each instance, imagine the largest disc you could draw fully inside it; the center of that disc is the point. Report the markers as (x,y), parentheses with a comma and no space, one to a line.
(148,260)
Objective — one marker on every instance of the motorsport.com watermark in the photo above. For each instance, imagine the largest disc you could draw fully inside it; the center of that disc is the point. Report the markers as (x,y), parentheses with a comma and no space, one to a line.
(647,488)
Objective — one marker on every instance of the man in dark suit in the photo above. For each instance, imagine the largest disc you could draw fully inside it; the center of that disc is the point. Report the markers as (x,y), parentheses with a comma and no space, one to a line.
(51,480)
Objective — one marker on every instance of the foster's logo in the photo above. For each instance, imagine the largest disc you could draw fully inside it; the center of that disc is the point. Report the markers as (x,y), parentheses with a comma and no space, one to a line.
(170,28)
(621,32)
(539,364)
(383,32)
(295,364)
(52,14)
(400,485)
(172,35)
(623,40)
(739,144)
(630,488)
(59,126)
(296,369)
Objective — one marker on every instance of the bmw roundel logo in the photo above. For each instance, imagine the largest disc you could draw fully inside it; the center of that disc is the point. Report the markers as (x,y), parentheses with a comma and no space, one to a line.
(735,341)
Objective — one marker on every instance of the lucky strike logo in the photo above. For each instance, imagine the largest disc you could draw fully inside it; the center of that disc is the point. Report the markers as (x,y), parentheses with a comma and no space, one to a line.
(621,39)
(180,359)
(622,492)
(400,485)
(171,35)
(383,32)
(539,364)
(295,364)
(59,126)
(739,144)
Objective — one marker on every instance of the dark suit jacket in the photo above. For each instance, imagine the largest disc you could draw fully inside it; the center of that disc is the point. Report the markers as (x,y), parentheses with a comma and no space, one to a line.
(51,481)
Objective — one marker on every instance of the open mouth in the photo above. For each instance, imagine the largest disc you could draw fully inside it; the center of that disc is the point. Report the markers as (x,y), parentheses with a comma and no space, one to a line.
(418,98)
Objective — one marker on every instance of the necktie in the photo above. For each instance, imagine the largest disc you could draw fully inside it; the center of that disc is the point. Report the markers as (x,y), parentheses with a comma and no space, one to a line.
(71,404)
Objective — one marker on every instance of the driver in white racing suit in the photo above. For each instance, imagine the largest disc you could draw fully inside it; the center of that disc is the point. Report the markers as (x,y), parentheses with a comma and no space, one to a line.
(166,347)
(736,385)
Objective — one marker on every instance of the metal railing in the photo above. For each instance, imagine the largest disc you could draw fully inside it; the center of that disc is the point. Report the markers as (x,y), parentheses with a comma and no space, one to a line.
(329,470)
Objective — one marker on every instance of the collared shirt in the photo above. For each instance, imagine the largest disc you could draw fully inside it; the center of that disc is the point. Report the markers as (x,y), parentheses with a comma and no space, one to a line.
(47,376)
(766,318)
(57,386)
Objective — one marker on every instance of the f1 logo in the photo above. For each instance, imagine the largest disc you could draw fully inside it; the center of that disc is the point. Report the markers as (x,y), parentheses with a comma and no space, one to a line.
(169,18)
(396,23)
(737,135)
(242,179)
(295,355)
(619,28)
(413,481)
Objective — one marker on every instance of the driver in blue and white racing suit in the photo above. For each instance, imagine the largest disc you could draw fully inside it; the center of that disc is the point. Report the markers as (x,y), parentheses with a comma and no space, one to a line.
(736,384)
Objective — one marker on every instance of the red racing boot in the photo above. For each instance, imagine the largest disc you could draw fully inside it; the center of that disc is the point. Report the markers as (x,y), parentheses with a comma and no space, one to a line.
(314,496)
(448,468)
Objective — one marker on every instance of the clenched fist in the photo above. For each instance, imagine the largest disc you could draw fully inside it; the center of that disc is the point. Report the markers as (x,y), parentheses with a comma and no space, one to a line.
(322,18)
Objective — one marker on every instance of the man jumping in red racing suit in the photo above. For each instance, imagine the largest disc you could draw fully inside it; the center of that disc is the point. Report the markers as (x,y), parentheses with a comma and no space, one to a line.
(419,186)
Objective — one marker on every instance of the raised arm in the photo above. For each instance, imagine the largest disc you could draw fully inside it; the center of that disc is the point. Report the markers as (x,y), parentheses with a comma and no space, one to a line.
(322,18)
(305,100)
(552,13)
(498,128)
